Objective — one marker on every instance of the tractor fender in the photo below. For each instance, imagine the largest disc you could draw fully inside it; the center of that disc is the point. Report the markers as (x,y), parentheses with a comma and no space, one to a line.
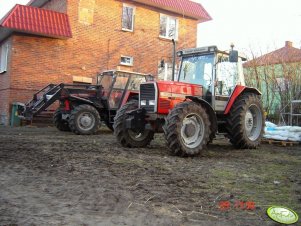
(209,109)
(239,90)
(79,100)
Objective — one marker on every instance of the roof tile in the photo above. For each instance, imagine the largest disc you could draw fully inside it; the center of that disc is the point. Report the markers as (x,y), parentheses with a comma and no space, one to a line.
(184,7)
(286,54)
(38,21)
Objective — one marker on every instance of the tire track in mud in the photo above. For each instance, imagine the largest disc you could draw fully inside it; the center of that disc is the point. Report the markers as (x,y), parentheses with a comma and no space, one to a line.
(51,177)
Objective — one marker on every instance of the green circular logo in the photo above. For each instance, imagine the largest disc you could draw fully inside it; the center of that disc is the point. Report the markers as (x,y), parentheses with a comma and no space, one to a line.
(282,215)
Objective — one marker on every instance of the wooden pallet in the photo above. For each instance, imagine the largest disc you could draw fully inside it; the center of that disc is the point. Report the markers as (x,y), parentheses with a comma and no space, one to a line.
(280,142)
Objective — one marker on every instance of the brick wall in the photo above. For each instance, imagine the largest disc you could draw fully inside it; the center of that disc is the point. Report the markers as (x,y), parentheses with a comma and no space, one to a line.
(56,5)
(94,47)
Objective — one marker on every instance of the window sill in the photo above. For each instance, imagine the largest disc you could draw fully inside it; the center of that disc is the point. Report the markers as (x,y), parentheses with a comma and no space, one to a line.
(2,72)
(127,65)
(127,30)
(167,39)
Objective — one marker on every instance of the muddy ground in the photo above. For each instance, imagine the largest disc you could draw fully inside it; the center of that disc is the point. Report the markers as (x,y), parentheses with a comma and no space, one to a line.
(49,177)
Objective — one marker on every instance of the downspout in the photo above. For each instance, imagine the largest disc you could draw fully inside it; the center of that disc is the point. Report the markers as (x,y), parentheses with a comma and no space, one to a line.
(173,60)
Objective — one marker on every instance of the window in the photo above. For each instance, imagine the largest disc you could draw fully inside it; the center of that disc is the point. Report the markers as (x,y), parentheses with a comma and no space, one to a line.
(86,9)
(121,81)
(135,82)
(118,90)
(128,13)
(3,58)
(126,60)
(197,70)
(168,27)
(226,77)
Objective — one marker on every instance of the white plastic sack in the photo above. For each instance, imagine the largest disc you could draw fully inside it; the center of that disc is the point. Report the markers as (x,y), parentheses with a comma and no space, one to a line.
(282,133)
(277,137)
(290,133)
(270,124)
(295,129)
(287,128)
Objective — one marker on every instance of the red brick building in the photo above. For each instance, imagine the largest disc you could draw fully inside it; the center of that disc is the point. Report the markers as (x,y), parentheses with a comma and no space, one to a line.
(54,41)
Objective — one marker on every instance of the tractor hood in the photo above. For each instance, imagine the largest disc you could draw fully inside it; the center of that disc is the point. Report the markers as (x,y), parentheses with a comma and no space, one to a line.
(170,93)
(178,89)
(161,96)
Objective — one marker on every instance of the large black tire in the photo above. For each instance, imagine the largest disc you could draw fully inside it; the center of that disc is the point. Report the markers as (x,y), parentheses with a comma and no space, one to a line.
(84,120)
(245,122)
(59,123)
(127,137)
(187,129)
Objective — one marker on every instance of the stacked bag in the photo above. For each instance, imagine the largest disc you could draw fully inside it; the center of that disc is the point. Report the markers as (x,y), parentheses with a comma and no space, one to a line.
(289,133)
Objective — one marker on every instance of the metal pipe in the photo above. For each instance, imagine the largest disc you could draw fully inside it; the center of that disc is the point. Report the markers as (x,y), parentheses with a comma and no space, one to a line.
(173,60)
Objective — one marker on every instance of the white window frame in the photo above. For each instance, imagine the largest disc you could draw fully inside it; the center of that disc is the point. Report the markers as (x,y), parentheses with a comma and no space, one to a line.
(167,27)
(133,17)
(4,58)
(131,63)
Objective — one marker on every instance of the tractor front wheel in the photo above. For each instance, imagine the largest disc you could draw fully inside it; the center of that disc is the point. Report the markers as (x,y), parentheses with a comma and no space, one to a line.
(84,120)
(127,137)
(60,123)
(245,123)
(187,129)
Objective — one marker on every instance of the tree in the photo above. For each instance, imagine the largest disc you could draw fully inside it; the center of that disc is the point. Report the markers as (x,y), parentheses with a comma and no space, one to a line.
(279,79)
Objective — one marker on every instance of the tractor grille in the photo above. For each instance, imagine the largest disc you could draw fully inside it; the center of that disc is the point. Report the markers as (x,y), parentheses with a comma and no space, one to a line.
(147,93)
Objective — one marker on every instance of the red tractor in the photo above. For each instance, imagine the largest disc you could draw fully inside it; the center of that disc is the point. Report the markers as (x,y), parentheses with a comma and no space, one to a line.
(83,107)
(208,97)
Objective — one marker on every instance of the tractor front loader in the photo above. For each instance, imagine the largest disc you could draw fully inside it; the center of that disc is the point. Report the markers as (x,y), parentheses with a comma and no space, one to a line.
(209,97)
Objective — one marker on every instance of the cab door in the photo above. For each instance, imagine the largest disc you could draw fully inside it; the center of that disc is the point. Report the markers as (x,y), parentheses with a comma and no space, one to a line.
(226,75)
(119,86)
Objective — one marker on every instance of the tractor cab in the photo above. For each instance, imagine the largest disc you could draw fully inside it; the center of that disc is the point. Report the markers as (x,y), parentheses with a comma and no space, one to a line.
(118,85)
(218,72)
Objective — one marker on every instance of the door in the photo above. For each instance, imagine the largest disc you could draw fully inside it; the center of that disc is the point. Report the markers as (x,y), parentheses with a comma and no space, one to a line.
(226,75)
(120,83)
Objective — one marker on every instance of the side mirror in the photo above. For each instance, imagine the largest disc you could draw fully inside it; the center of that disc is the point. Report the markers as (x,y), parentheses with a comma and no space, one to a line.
(233,56)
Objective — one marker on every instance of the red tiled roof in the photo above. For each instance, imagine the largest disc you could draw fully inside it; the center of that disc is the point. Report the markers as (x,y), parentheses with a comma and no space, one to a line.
(286,54)
(37,21)
(183,7)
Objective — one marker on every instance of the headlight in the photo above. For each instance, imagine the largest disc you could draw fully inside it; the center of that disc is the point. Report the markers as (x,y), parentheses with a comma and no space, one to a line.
(152,102)
(143,102)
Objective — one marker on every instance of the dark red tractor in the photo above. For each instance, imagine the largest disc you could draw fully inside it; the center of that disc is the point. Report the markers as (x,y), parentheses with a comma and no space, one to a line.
(208,96)
(82,108)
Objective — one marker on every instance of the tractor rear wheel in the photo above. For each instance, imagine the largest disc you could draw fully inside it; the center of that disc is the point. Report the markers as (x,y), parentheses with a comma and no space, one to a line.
(60,123)
(84,120)
(127,137)
(187,129)
(245,123)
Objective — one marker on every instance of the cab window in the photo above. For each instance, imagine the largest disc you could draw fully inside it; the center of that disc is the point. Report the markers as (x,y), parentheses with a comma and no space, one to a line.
(105,81)
(121,81)
(225,78)
(197,70)
(135,82)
